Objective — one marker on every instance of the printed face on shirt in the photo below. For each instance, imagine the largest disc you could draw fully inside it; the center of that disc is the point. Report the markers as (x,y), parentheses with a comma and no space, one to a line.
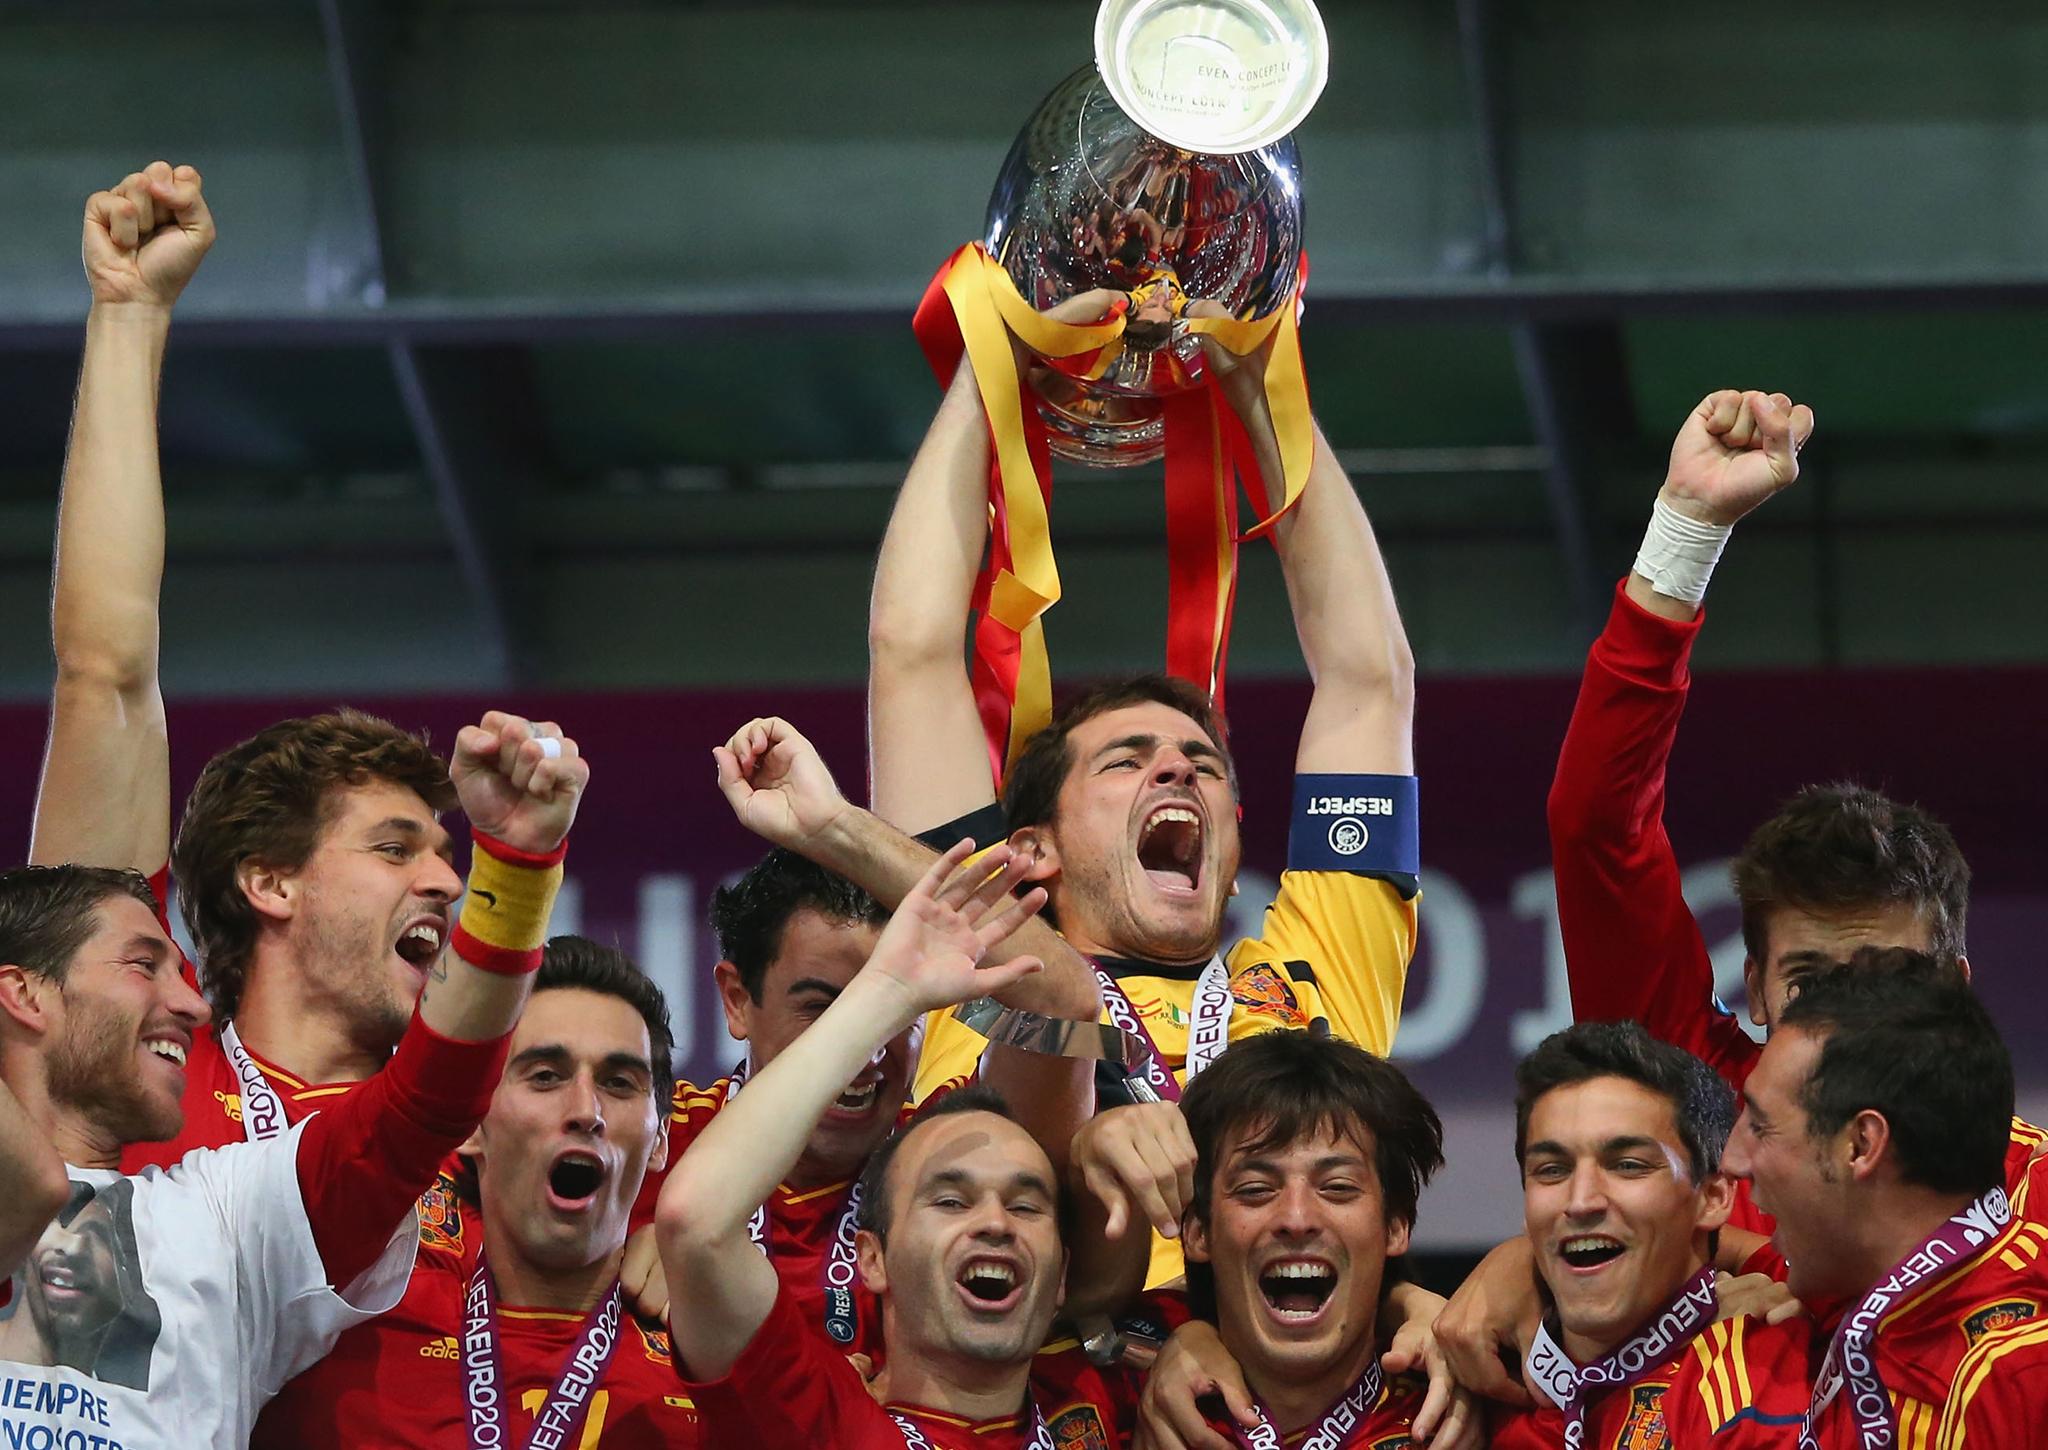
(74,1285)
(1797,941)
(370,908)
(571,1130)
(122,1026)
(1804,1181)
(1298,1240)
(817,956)
(971,1265)
(1144,839)
(1612,1209)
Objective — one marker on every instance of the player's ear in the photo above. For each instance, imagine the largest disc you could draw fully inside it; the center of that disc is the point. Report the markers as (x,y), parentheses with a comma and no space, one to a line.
(1753,988)
(1868,1141)
(657,1157)
(867,1257)
(1036,842)
(271,891)
(1716,1202)
(734,997)
(1194,1238)
(22,997)
(1397,1238)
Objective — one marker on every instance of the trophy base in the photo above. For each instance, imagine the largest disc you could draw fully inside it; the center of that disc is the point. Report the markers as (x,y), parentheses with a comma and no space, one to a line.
(1103,430)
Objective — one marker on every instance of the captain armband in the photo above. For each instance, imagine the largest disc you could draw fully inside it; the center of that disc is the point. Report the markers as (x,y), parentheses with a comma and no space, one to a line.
(1368,823)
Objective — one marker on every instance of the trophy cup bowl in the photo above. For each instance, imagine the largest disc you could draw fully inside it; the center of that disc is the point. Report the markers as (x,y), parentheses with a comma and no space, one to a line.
(1165,170)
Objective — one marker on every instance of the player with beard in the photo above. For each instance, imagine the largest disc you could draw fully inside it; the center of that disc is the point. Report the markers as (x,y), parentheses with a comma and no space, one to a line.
(1311,1155)
(529,1273)
(253,1258)
(1619,1138)
(959,1232)
(310,863)
(1874,1127)
(1128,800)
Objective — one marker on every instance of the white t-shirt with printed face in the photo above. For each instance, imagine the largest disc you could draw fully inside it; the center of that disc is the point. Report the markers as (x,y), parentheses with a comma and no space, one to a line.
(161,1311)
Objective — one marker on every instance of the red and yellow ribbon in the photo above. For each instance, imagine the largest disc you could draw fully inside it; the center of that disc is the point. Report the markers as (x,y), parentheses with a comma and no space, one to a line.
(973,308)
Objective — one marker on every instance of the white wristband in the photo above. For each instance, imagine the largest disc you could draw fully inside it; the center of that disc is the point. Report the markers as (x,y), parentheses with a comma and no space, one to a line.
(1679,553)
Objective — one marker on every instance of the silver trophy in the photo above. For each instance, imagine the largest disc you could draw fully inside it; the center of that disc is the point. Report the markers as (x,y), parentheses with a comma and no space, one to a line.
(1166,170)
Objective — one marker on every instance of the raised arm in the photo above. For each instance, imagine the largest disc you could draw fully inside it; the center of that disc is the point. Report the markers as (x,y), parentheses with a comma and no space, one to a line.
(1631,945)
(926,959)
(779,787)
(364,1161)
(926,752)
(105,793)
(1361,716)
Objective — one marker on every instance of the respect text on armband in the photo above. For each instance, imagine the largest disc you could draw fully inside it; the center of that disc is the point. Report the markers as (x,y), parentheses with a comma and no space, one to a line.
(1350,805)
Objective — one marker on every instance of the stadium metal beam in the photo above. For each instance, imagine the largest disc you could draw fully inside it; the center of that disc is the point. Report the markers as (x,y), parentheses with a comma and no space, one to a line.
(445,394)
(1537,345)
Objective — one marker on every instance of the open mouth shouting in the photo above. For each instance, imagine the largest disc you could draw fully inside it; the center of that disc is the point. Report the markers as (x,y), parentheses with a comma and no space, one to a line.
(990,1284)
(575,1180)
(859,1100)
(1297,1290)
(1590,1253)
(419,945)
(1170,840)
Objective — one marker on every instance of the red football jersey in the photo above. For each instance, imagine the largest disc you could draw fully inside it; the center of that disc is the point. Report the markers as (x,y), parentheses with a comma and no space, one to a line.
(793,1387)
(213,1103)
(1385,1425)
(1968,1348)
(1741,1384)
(395,1383)
(1630,1418)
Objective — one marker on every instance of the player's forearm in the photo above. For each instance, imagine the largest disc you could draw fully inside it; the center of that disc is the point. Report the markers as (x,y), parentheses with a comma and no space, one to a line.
(110,519)
(887,864)
(38,1186)
(1052,1097)
(478,989)
(927,757)
(754,1141)
(1361,716)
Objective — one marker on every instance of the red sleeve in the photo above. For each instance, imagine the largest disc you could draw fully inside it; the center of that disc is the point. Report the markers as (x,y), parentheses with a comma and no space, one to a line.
(1632,948)
(789,1387)
(160,883)
(364,1161)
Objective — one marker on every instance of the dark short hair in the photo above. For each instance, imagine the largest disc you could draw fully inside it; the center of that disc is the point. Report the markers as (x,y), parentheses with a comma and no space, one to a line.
(268,799)
(1702,1104)
(750,916)
(1903,1035)
(1842,846)
(874,1175)
(1031,789)
(48,912)
(1279,1087)
(579,962)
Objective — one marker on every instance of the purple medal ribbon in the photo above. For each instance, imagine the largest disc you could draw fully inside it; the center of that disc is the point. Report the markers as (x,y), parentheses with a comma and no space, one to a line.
(1662,1335)
(1332,1431)
(1208,1032)
(842,1259)
(1852,1354)
(483,1376)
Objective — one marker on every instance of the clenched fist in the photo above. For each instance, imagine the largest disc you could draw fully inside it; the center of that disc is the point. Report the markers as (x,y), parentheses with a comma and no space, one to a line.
(519,781)
(146,237)
(1735,451)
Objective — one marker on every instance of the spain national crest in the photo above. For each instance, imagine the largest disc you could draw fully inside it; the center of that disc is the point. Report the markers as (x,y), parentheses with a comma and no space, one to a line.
(1644,1429)
(441,1216)
(2002,1315)
(1263,990)
(1079,1428)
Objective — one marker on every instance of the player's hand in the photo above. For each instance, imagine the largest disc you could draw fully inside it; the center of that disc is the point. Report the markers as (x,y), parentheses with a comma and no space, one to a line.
(1450,1417)
(641,1277)
(1497,1308)
(1755,1295)
(1735,451)
(776,783)
(1193,1365)
(145,238)
(934,942)
(1138,1160)
(519,781)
